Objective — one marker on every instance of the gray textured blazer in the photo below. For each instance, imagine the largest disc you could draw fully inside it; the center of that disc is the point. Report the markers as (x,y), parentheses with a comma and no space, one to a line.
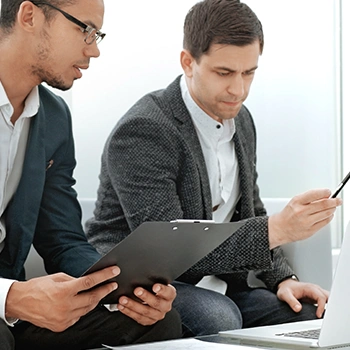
(153,169)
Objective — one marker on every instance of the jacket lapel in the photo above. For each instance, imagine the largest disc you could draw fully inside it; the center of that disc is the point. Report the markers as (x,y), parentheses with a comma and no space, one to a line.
(244,174)
(23,209)
(187,129)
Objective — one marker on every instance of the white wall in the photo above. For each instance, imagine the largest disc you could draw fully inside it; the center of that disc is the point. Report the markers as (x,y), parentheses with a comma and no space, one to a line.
(140,53)
(346,102)
(294,97)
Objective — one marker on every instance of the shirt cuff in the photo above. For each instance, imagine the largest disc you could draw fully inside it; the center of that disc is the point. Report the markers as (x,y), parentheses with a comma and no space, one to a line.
(5,285)
(111,307)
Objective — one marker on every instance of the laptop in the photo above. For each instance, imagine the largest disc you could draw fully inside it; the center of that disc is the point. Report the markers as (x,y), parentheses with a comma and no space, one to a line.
(159,252)
(330,332)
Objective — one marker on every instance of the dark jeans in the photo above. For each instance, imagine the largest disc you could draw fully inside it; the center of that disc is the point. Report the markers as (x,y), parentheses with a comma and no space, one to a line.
(260,307)
(94,329)
(205,312)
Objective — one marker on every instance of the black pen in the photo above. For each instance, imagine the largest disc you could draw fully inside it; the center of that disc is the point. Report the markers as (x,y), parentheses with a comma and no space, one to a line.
(340,186)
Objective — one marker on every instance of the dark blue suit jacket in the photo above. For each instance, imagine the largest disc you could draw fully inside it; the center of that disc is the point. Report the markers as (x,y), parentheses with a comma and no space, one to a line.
(44,209)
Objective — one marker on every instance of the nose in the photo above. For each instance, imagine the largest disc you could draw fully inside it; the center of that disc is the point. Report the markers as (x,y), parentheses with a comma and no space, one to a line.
(236,86)
(92,50)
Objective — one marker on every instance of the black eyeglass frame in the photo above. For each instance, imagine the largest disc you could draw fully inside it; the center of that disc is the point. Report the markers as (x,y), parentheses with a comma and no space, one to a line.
(98,37)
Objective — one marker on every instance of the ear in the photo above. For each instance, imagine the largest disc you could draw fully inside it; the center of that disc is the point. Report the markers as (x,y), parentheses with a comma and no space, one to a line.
(26,15)
(187,61)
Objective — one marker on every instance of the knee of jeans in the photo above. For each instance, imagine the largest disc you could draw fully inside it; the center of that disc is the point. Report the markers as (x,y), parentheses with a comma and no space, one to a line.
(217,315)
(225,315)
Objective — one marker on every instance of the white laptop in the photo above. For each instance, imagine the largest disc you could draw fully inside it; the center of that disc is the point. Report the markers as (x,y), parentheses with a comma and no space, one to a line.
(333,331)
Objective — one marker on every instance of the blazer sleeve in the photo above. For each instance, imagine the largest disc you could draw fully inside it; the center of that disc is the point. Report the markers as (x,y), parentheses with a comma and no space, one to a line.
(154,175)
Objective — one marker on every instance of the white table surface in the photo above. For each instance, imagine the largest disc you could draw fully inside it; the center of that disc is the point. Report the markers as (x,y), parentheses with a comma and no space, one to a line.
(213,343)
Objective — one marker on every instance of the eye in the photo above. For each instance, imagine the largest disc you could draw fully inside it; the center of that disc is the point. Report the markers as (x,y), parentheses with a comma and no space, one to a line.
(223,74)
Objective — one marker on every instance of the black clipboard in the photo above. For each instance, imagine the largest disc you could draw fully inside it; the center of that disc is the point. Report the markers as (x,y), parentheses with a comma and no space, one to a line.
(159,252)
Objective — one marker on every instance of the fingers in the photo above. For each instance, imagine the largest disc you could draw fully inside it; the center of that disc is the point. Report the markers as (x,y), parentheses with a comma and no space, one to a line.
(317,213)
(312,196)
(314,202)
(293,292)
(95,278)
(323,210)
(141,313)
(165,292)
(153,306)
(54,301)
(88,300)
(304,215)
(321,307)
(162,299)
(294,304)
(88,292)
(288,296)
(320,297)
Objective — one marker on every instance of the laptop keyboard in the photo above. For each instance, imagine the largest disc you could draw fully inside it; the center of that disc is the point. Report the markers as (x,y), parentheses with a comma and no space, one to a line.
(310,334)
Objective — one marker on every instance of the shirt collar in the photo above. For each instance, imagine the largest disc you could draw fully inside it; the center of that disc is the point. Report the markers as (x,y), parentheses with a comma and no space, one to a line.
(206,124)
(3,97)
(31,104)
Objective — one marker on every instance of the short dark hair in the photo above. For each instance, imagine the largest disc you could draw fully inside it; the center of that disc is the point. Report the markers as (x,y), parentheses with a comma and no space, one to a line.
(9,10)
(227,22)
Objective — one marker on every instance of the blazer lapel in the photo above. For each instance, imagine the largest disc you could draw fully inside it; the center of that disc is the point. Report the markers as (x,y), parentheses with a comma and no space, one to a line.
(25,204)
(244,171)
(187,129)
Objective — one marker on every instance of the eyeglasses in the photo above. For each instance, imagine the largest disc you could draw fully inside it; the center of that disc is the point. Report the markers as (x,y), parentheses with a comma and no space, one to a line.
(92,33)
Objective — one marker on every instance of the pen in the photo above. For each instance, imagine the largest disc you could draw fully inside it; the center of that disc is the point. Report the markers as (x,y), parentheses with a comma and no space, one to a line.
(340,186)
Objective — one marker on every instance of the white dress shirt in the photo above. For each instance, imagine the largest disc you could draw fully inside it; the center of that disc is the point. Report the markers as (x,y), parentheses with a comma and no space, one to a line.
(222,167)
(13,142)
(220,157)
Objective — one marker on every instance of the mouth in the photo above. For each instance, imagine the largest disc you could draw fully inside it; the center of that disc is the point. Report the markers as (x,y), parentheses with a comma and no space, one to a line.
(232,103)
(78,69)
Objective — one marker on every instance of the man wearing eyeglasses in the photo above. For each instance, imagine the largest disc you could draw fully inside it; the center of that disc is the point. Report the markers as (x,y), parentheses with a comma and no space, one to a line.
(52,41)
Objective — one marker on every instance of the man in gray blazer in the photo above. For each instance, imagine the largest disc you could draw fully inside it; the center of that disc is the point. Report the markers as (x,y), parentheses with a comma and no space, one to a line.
(189,152)
(41,42)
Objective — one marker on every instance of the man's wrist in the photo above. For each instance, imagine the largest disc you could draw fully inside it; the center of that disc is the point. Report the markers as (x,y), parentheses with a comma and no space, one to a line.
(276,235)
(290,277)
